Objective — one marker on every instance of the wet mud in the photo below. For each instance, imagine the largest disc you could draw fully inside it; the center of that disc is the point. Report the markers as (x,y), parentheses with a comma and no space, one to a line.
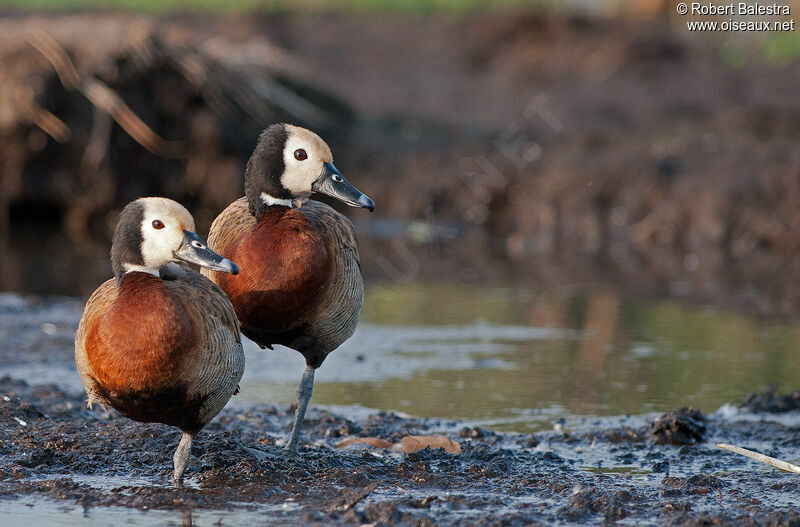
(52,448)
(773,402)
(637,470)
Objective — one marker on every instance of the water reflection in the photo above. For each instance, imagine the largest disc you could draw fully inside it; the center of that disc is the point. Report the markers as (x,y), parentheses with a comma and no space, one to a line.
(516,359)
(504,357)
(35,511)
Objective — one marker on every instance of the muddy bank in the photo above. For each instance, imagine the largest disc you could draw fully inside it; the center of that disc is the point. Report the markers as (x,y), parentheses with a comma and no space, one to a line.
(594,149)
(60,461)
(53,450)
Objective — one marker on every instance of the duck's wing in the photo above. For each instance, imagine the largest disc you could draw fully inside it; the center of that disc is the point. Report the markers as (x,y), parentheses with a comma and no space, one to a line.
(231,223)
(335,318)
(203,298)
(97,305)
(336,226)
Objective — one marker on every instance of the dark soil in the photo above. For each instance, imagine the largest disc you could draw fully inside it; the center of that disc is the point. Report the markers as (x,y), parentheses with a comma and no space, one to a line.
(51,447)
(772,402)
(681,427)
(667,471)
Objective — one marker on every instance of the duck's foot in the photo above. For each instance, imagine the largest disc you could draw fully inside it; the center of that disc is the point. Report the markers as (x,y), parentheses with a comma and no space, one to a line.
(304,390)
(181,457)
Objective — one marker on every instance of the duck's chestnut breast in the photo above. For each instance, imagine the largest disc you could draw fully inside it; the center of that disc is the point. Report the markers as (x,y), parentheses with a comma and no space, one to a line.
(140,343)
(285,267)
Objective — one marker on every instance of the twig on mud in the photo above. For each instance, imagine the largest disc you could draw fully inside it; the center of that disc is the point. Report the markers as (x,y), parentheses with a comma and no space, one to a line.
(57,56)
(50,124)
(23,98)
(349,501)
(783,465)
(102,97)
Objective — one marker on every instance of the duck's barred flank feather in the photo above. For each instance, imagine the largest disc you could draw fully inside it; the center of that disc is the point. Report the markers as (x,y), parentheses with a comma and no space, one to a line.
(326,311)
(179,365)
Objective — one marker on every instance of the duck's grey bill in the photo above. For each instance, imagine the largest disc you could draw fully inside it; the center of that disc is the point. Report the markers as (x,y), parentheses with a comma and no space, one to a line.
(333,184)
(194,250)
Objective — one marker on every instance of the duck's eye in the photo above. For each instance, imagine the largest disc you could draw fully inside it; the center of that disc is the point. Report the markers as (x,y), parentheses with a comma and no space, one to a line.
(157,224)
(300,154)
(337,178)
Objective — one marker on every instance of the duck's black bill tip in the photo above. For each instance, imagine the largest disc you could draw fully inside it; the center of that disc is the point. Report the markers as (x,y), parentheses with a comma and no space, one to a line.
(333,184)
(224,265)
(234,267)
(366,203)
(194,250)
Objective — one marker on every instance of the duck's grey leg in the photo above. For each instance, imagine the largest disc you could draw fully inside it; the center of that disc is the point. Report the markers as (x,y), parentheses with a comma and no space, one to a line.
(304,390)
(181,457)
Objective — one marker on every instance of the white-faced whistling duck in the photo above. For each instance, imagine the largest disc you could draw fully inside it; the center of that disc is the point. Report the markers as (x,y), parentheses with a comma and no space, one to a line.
(159,342)
(301,283)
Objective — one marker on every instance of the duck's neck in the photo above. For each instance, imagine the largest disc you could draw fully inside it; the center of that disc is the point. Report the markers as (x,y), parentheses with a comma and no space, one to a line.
(130,268)
(132,281)
(266,202)
(269,201)
(266,197)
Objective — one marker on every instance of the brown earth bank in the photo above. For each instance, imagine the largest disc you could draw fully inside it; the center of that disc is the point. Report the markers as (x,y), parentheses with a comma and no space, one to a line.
(535,148)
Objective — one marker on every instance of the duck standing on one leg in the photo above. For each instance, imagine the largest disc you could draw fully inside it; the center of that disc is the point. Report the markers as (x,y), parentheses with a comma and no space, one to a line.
(300,284)
(164,350)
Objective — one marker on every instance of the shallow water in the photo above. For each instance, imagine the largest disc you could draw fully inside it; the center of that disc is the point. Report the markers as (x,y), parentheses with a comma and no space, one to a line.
(504,358)
(565,365)
(517,360)
(38,511)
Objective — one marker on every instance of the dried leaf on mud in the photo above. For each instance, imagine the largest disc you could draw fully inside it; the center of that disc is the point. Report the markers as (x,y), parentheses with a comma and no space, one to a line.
(406,445)
(369,441)
(413,443)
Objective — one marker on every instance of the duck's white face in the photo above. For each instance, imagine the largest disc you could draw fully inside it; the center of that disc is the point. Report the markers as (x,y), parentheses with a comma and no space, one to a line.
(164,223)
(290,163)
(153,232)
(304,156)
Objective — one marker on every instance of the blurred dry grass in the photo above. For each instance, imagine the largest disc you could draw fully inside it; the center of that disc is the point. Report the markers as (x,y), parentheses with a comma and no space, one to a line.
(98,109)
(538,148)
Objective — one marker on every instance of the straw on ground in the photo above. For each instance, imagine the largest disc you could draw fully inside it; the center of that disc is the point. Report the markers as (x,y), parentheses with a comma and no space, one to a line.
(783,465)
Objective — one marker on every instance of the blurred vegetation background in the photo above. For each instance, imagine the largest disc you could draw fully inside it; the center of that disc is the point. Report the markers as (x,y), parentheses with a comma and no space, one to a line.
(539,143)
